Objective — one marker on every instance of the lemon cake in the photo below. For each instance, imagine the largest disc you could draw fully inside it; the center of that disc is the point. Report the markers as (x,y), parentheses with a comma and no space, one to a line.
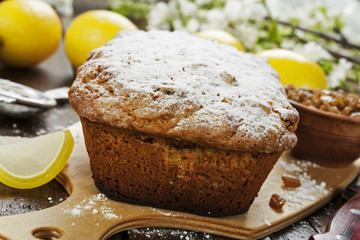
(179,122)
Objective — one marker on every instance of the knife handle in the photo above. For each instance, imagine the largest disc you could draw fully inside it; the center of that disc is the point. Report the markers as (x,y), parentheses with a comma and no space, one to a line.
(345,225)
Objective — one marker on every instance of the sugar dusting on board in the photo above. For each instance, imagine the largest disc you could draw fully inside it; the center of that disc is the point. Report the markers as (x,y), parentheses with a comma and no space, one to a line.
(309,190)
(95,205)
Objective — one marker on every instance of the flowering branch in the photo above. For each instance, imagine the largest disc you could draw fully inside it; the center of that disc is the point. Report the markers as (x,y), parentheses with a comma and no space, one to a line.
(335,54)
(341,55)
(342,41)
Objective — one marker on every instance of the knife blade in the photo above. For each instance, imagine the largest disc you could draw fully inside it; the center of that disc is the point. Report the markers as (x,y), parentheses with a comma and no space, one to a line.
(19,101)
(24,95)
(345,224)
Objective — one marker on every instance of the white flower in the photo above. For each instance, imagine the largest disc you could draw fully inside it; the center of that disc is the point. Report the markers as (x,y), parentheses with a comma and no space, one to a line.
(174,6)
(247,34)
(64,7)
(158,16)
(244,10)
(202,14)
(193,25)
(233,9)
(313,51)
(319,17)
(187,8)
(352,26)
(202,2)
(178,25)
(288,44)
(338,73)
(216,19)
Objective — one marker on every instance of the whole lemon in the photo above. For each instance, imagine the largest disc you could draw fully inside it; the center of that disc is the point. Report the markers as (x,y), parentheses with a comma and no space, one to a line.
(90,30)
(295,69)
(221,37)
(30,31)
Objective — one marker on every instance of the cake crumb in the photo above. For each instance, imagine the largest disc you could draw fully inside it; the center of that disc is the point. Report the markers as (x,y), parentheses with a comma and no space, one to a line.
(40,132)
(15,128)
(267,222)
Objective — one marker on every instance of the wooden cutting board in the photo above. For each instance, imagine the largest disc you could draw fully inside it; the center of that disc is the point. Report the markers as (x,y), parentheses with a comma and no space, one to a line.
(88,214)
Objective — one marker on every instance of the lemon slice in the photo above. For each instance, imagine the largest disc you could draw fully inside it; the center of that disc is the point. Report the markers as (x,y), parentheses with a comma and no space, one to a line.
(295,69)
(32,162)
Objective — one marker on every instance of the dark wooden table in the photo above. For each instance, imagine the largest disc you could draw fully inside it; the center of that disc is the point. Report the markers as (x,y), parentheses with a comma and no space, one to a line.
(56,72)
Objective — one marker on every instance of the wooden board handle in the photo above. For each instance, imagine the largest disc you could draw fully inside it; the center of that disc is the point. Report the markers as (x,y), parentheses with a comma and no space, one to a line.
(345,224)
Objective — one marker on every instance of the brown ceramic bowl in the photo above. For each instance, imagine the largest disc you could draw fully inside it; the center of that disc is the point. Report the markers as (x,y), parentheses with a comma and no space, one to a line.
(325,138)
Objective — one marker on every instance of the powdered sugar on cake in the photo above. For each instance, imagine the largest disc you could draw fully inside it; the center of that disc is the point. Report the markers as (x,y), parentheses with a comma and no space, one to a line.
(181,86)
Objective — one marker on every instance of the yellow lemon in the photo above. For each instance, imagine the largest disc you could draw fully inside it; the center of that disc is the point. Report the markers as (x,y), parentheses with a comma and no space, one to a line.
(295,69)
(90,30)
(32,162)
(221,37)
(30,31)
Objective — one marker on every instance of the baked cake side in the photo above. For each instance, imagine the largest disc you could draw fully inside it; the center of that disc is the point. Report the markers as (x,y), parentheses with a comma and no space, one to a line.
(174,121)
(161,172)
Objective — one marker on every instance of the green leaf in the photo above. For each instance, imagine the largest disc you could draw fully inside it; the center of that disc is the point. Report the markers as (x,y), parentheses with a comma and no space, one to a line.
(274,34)
(186,20)
(339,22)
(323,10)
(294,21)
(327,65)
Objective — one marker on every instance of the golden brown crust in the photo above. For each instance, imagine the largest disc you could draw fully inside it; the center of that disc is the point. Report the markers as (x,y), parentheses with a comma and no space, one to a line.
(180,86)
(167,173)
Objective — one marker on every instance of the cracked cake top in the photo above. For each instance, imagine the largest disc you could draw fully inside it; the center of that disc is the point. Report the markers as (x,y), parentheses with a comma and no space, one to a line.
(184,87)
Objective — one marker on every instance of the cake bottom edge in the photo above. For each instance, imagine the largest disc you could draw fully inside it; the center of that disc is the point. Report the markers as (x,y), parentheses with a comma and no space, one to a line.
(165,173)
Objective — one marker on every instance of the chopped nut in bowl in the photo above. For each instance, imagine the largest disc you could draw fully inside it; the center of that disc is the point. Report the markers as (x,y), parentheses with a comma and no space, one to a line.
(329,127)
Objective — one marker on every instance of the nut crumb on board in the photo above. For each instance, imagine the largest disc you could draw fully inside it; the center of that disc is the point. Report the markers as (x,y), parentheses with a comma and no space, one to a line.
(291,181)
(277,202)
